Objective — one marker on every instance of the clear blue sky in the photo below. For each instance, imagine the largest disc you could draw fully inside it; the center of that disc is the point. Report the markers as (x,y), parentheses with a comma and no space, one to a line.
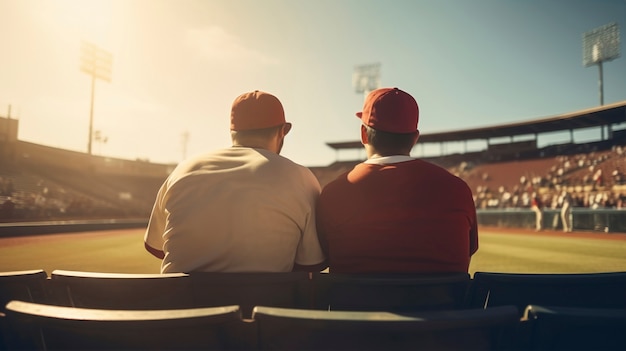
(178,65)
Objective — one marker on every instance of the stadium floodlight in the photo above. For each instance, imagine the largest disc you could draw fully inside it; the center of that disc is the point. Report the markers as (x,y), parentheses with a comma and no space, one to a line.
(185,141)
(601,45)
(366,78)
(96,63)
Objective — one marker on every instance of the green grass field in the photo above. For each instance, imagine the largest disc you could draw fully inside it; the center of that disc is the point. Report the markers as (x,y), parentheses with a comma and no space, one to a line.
(500,251)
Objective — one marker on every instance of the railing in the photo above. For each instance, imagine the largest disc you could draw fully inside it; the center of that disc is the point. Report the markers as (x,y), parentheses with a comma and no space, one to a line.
(49,227)
(583,219)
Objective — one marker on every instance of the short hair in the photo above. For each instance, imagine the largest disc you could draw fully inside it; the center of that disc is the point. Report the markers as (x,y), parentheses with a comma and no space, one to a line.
(386,143)
(254,134)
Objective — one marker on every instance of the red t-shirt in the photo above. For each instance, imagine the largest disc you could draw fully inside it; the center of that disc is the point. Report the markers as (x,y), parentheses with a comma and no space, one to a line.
(409,216)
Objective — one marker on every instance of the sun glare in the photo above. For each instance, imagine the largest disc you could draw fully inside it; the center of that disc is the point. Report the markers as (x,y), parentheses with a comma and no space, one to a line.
(90,19)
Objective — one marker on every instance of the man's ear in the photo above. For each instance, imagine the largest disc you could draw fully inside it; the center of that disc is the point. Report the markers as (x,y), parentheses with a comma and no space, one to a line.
(416,137)
(364,140)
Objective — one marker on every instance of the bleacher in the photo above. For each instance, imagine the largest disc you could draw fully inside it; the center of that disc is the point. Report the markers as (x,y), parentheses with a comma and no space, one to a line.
(91,187)
(55,184)
(312,311)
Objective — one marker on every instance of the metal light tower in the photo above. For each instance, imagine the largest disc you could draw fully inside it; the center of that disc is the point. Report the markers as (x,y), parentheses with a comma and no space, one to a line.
(601,45)
(185,141)
(366,78)
(96,63)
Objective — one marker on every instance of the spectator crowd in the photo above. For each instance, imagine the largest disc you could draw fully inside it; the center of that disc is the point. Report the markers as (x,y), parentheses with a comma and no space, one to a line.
(593,180)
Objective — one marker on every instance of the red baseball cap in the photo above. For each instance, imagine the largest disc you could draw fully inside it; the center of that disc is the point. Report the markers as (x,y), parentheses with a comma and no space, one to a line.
(390,110)
(256,110)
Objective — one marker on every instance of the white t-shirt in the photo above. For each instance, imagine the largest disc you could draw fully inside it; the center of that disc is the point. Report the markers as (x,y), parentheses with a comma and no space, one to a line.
(236,210)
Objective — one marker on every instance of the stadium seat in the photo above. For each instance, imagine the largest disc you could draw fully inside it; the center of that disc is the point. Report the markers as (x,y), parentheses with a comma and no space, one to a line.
(572,328)
(285,289)
(23,285)
(590,290)
(48,327)
(120,290)
(294,329)
(390,292)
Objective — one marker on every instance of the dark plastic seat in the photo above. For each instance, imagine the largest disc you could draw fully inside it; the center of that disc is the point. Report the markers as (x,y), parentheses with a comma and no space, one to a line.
(29,285)
(572,328)
(49,327)
(590,290)
(390,292)
(280,289)
(293,329)
(120,290)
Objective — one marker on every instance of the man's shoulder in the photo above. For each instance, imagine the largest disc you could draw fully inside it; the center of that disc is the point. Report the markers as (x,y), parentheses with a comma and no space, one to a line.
(439,173)
(426,166)
(283,169)
(282,161)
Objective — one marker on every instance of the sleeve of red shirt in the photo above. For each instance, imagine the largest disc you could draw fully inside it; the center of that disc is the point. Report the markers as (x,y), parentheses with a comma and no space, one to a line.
(473,231)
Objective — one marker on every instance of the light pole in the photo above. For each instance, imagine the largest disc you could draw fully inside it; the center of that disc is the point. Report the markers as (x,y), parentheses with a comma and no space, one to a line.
(96,63)
(185,141)
(100,138)
(601,45)
(365,79)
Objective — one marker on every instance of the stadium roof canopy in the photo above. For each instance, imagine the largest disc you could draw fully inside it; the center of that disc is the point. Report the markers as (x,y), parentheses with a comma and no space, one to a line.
(594,117)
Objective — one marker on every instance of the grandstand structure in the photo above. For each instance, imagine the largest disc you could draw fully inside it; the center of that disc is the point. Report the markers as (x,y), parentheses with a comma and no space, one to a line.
(610,119)
(510,142)
(512,164)
(41,182)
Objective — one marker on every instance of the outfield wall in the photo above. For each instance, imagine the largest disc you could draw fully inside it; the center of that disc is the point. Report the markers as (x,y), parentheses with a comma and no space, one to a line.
(583,219)
(51,227)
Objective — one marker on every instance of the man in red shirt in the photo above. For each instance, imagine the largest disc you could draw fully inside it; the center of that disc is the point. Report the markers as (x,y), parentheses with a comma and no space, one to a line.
(395,213)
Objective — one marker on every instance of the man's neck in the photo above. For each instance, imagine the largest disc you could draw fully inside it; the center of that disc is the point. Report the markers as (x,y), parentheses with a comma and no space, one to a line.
(388,159)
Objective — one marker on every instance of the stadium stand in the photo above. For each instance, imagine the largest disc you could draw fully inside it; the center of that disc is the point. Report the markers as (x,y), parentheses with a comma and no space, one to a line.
(35,326)
(53,184)
(44,183)
(569,329)
(585,290)
(477,329)
(390,292)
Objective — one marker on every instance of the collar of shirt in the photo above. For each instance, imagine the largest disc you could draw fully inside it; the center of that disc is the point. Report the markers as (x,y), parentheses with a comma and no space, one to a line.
(385,160)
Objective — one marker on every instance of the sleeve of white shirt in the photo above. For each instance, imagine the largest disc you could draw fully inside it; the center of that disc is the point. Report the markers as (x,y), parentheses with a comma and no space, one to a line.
(156,225)
(309,250)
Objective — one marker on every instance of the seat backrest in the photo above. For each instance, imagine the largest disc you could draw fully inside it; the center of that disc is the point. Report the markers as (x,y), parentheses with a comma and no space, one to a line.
(575,328)
(594,290)
(292,329)
(40,326)
(120,290)
(281,289)
(27,285)
(390,292)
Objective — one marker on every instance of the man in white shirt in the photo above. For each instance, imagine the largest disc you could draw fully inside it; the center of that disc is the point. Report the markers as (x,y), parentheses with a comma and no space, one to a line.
(240,209)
